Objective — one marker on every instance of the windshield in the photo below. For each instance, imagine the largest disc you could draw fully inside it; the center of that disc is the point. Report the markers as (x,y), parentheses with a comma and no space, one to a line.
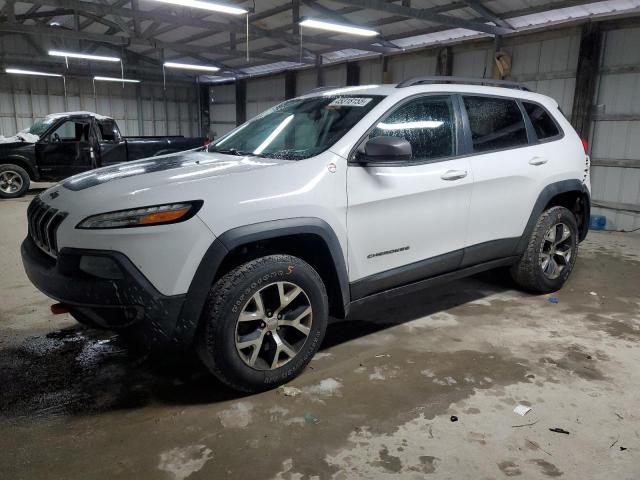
(41,126)
(299,128)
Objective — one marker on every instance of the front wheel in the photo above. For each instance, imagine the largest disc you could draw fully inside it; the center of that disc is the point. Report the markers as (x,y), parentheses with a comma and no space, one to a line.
(14,181)
(551,252)
(263,322)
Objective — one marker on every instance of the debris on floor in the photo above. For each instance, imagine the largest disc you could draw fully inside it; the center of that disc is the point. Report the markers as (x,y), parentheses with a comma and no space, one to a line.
(454,418)
(525,424)
(521,410)
(593,293)
(309,418)
(290,391)
(553,300)
(559,430)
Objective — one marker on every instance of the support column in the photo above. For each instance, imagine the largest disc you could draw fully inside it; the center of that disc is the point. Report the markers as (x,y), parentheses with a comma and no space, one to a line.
(319,72)
(444,67)
(586,78)
(241,101)
(204,103)
(290,79)
(140,110)
(387,77)
(353,73)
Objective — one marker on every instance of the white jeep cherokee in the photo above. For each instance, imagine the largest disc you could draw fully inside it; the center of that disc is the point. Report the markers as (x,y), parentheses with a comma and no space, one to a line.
(243,249)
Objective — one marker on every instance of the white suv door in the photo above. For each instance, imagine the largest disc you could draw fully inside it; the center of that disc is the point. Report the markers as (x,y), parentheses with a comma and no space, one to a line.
(509,173)
(411,217)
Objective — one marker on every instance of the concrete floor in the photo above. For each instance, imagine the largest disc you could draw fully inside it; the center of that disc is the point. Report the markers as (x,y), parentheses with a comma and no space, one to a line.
(375,403)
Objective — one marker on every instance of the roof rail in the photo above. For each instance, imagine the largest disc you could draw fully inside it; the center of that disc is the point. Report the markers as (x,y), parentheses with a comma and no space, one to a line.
(464,80)
(322,89)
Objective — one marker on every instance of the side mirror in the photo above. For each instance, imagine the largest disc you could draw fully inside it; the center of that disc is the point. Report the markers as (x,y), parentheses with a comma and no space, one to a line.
(385,149)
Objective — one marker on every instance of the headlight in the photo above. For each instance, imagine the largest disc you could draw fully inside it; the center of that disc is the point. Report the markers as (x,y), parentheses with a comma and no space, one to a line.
(144,216)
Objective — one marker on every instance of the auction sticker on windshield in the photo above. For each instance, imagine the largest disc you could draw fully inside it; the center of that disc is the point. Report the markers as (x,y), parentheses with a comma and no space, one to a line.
(350,102)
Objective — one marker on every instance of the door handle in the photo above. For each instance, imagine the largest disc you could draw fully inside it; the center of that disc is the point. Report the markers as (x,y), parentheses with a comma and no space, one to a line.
(537,161)
(454,175)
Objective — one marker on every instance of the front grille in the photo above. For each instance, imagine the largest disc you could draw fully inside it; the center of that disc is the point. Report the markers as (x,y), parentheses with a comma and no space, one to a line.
(43,224)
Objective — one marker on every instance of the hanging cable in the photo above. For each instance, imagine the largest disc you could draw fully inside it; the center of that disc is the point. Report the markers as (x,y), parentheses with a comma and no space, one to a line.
(247,37)
(164,77)
(122,72)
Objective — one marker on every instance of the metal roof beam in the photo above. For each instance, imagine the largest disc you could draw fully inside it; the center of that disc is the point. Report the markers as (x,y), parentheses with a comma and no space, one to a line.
(423,14)
(487,13)
(118,40)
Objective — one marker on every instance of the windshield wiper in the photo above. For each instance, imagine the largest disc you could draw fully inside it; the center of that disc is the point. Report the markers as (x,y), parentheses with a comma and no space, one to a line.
(230,151)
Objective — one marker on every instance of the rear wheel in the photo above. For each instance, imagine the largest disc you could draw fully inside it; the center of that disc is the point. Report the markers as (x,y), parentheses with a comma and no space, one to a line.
(263,322)
(14,181)
(550,254)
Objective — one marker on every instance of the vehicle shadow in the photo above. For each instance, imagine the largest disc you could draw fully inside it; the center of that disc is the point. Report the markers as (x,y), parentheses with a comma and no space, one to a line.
(79,370)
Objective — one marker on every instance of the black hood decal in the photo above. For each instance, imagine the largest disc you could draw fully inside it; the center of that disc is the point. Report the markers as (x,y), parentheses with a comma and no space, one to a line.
(139,167)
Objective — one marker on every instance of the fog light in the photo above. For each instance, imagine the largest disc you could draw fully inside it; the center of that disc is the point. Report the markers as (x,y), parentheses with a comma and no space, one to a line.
(101,267)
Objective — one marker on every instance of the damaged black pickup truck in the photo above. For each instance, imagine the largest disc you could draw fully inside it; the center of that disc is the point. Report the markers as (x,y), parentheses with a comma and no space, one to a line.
(64,144)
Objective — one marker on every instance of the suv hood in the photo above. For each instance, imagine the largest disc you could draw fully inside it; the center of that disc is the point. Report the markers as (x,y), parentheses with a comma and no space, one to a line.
(190,165)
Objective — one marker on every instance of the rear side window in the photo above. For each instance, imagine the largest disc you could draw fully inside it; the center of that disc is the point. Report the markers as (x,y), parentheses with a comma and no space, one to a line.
(495,123)
(427,123)
(543,123)
(109,131)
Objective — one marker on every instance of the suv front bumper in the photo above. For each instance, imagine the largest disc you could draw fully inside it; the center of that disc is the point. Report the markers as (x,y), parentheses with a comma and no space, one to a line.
(105,289)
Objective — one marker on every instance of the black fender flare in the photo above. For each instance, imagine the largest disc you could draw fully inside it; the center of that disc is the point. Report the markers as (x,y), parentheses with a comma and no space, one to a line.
(545,196)
(21,161)
(207,270)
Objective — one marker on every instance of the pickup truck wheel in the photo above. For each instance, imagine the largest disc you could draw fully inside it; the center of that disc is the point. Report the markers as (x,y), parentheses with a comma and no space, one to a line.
(263,322)
(550,254)
(14,181)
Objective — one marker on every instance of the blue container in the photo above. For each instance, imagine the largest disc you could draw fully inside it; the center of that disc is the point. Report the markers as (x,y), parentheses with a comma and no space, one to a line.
(597,222)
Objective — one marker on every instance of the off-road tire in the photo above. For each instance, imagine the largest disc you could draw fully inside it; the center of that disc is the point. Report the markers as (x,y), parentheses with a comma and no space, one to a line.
(216,342)
(527,272)
(26,181)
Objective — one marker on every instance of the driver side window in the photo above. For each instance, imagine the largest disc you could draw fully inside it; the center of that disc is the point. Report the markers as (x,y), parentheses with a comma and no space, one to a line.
(70,131)
(427,123)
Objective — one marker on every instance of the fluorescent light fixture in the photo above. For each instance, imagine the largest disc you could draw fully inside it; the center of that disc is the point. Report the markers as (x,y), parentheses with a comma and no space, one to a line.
(188,66)
(19,71)
(115,79)
(410,125)
(84,56)
(337,27)
(212,7)
(272,136)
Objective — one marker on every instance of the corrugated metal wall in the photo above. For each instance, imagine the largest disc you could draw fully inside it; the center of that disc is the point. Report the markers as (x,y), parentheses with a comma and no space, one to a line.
(263,93)
(615,147)
(222,109)
(159,112)
(548,65)
(410,65)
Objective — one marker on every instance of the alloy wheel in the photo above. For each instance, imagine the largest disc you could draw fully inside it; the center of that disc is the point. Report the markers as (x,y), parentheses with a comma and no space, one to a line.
(556,250)
(10,181)
(273,326)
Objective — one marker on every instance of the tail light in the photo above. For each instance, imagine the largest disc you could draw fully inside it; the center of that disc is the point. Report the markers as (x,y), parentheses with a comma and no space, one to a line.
(585,145)
(207,141)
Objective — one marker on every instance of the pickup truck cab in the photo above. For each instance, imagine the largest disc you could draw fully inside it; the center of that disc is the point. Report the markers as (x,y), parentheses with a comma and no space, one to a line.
(347,195)
(65,144)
